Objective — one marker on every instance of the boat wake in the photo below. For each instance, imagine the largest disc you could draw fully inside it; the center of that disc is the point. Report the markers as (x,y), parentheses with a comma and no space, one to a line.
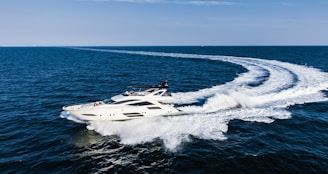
(278,85)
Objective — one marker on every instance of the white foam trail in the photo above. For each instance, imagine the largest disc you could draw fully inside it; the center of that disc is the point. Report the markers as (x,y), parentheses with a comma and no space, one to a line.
(172,130)
(283,84)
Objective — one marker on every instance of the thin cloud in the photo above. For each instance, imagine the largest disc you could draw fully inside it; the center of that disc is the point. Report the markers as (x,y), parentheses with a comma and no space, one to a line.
(140,1)
(130,1)
(209,3)
(169,2)
(285,4)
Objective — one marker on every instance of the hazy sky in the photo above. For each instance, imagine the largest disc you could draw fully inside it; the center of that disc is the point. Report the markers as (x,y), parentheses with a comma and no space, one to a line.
(163,22)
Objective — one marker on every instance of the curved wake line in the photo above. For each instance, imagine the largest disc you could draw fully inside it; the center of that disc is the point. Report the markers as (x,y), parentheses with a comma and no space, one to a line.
(279,85)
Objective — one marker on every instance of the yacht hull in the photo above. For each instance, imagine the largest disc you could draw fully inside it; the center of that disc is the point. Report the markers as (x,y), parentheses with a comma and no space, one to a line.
(129,105)
(96,111)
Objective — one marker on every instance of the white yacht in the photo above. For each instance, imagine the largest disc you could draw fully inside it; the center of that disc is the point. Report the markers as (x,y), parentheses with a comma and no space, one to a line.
(148,101)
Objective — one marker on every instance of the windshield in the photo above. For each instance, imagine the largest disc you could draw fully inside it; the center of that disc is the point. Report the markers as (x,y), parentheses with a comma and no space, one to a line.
(108,101)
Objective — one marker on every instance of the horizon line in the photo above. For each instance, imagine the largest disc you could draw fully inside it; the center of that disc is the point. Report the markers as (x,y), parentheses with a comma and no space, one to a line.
(160,45)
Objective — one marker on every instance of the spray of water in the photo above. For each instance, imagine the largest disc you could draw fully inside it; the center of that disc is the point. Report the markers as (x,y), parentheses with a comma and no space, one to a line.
(282,85)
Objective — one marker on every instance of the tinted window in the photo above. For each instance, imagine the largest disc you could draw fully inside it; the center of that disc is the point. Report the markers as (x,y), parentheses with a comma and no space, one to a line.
(158,93)
(141,104)
(124,101)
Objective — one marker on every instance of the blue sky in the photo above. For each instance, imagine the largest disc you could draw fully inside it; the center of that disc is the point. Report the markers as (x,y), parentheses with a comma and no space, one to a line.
(163,22)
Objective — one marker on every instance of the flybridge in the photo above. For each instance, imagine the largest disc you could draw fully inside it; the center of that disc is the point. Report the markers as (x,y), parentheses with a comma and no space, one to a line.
(142,90)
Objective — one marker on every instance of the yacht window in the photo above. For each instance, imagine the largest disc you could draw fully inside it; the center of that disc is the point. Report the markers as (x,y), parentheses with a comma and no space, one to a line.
(151,90)
(158,93)
(154,107)
(167,94)
(124,101)
(141,104)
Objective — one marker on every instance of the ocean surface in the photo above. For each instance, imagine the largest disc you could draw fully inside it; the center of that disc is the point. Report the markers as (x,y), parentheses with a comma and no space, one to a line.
(248,110)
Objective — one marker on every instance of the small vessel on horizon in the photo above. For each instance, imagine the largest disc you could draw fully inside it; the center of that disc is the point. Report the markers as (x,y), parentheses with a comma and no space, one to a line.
(147,101)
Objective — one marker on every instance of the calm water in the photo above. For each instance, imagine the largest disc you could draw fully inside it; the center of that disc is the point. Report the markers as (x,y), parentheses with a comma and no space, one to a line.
(250,110)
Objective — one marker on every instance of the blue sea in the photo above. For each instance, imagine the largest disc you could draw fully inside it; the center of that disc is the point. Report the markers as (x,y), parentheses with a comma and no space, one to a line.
(248,109)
